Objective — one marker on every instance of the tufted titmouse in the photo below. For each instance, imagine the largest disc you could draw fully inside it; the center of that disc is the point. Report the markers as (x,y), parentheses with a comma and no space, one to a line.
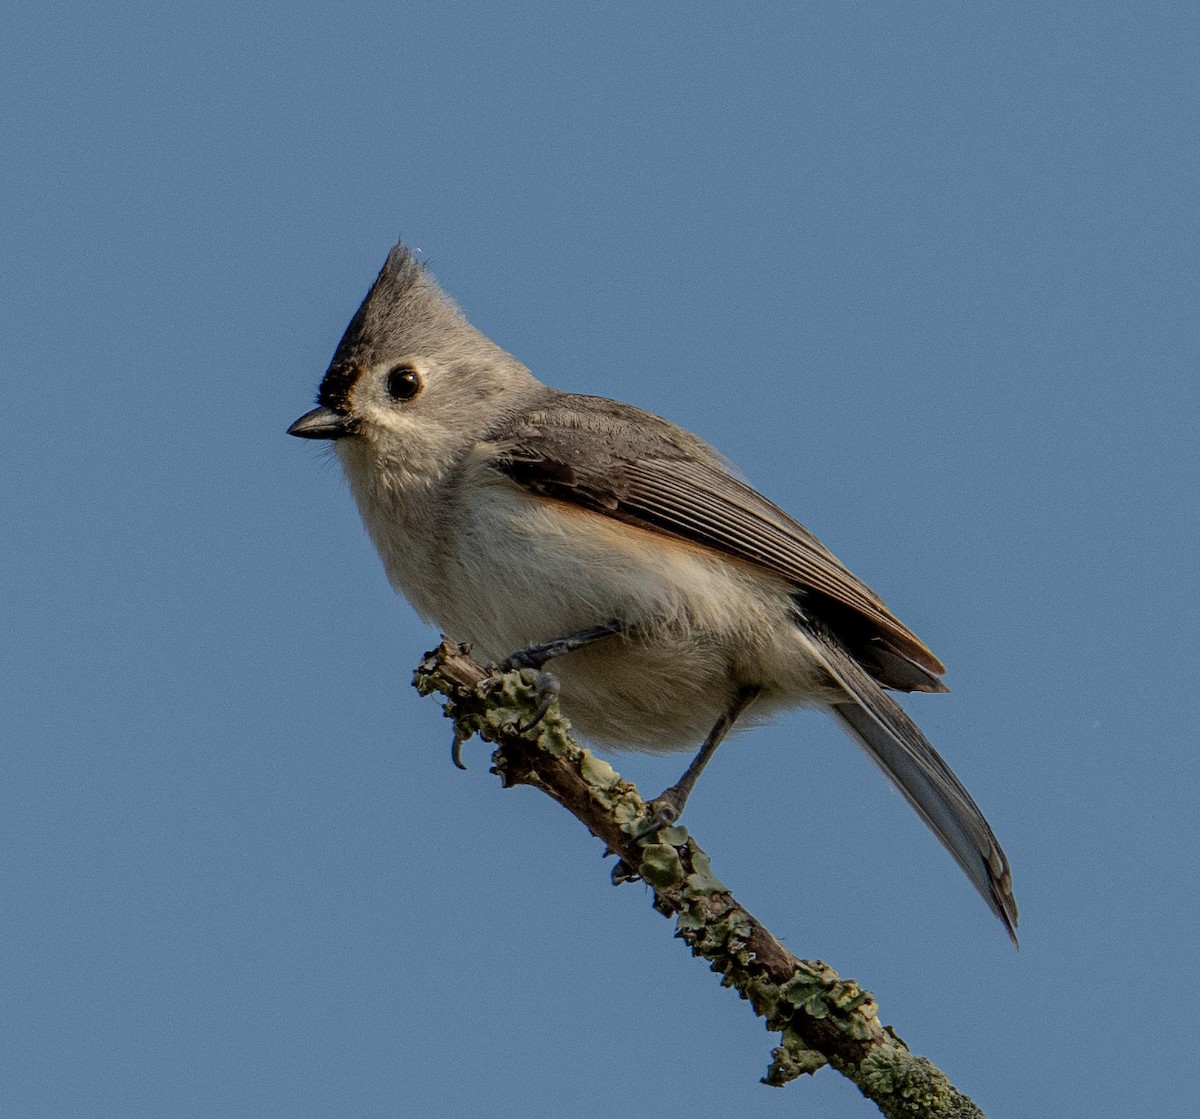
(673,597)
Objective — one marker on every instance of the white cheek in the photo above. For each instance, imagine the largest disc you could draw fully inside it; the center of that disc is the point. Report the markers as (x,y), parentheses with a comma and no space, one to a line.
(397,498)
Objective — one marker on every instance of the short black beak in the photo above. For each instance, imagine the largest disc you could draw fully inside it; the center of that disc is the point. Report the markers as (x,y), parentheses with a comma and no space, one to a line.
(322,423)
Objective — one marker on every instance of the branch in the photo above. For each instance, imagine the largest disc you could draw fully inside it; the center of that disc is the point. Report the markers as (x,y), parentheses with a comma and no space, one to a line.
(823,1019)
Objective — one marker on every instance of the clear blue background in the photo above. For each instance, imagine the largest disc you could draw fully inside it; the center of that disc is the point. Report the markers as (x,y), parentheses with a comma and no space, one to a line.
(928,273)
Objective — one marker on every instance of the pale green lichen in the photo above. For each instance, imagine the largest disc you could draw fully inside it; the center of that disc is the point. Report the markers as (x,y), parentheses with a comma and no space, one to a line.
(911,1085)
(514,698)
(596,771)
(820,992)
(661,866)
(792,1058)
(807,990)
(702,880)
(628,813)
(689,921)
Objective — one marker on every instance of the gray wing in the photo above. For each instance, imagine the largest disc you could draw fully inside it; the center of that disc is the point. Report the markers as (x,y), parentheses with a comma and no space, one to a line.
(637,468)
(640,469)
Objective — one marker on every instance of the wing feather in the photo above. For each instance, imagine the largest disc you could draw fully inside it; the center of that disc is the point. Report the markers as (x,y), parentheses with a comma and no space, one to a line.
(627,464)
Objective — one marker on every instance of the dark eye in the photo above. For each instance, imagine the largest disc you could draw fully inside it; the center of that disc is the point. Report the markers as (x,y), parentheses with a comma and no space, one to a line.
(403,382)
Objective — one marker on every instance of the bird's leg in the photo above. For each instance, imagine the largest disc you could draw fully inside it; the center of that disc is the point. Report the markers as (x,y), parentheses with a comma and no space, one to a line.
(667,807)
(535,656)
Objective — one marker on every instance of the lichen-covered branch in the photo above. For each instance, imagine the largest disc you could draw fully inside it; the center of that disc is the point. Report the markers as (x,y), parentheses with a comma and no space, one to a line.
(822,1018)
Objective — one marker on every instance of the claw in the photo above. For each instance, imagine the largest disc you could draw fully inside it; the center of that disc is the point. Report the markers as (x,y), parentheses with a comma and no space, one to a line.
(622,872)
(547,685)
(548,690)
(456,748)
(664,810)
(535,656)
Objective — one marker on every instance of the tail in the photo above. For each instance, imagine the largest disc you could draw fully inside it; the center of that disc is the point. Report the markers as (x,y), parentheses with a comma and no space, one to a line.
(895,744)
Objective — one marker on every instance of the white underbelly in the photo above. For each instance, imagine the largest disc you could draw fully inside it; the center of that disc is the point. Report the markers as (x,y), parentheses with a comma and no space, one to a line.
(529,570)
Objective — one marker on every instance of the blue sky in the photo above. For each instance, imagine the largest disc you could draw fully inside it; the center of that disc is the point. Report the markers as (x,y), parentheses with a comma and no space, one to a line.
(927,273)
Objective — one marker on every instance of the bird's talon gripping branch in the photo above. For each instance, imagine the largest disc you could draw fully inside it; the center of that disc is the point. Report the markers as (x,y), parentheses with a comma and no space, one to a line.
(664,810)
(548,690)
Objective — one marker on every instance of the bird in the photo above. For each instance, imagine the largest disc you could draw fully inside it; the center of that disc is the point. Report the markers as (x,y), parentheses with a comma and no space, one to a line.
(670,598)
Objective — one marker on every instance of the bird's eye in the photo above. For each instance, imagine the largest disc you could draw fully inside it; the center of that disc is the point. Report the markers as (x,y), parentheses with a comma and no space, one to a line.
(403,382)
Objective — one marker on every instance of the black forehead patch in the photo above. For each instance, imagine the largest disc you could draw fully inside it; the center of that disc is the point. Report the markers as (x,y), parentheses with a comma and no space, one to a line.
(336,385)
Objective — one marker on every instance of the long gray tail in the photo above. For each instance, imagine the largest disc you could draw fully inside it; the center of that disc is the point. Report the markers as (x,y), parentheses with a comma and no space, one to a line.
(897,746)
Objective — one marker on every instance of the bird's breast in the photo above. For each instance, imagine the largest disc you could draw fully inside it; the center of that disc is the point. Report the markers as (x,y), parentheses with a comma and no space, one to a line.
(524,570)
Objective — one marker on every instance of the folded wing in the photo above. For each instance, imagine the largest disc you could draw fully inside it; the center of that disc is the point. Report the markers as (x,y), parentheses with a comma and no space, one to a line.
(624,463)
